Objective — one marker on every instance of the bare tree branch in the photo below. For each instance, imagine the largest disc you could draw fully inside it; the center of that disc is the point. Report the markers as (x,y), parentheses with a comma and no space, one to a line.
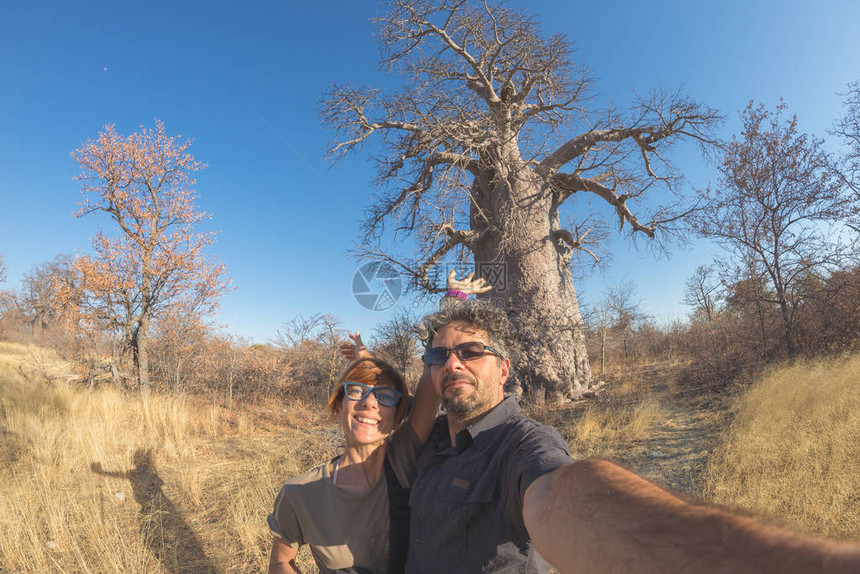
(577,242)
(569,184)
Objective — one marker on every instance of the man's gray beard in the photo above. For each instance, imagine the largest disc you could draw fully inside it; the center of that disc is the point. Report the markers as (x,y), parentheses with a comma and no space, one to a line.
(461,408)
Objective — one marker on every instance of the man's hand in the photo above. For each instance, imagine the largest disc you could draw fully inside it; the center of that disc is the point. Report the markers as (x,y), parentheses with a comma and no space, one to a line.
(355,350)
(468,284)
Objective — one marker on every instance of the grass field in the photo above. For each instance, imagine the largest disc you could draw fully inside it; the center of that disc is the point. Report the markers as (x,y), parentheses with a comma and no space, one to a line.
(792,453)
(101,481)
(96,480)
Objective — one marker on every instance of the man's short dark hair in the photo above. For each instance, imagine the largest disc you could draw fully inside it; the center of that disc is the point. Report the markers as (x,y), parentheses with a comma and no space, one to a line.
(478,313)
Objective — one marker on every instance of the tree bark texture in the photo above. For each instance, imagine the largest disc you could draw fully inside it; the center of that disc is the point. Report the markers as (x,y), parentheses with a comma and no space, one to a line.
(538,288)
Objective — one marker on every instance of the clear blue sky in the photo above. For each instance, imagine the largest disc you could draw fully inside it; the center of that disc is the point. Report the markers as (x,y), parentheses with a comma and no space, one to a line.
(244,79)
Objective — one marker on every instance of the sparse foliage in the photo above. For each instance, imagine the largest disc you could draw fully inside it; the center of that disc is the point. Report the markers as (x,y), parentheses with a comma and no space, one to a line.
(396,341)
(701,291)
(181,341)
(38,296)
(848,129)
(489,145)
(301,329)
(830,316)
(624,308)
(312,349)
(44,294)
(770,211)
(743,335)
(616,320)
(144,183)
(238,371)
(598,319)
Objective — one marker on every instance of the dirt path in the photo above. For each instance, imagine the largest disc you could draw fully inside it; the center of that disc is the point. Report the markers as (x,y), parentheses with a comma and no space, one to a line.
(676,452)
(678,449)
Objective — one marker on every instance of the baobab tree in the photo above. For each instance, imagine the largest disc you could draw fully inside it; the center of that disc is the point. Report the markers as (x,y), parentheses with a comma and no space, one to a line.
(490,151)
(144,183)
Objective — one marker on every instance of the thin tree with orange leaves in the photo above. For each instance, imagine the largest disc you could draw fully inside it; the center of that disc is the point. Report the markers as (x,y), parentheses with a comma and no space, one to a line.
(155,261)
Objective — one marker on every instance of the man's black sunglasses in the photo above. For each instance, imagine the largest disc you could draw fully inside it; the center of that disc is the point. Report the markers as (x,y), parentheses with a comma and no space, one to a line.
(465,352)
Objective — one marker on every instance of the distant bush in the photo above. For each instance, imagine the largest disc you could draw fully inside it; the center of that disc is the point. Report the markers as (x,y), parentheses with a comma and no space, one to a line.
(745,332)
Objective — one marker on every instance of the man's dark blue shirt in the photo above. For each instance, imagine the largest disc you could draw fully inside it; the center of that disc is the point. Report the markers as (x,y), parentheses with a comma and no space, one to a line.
(467,501)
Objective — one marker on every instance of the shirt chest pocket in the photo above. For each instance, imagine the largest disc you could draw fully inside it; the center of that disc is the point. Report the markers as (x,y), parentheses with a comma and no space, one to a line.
(469,505)
(467,489)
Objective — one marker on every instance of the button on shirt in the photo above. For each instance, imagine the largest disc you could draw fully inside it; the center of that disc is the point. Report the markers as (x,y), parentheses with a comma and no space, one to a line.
(467,501)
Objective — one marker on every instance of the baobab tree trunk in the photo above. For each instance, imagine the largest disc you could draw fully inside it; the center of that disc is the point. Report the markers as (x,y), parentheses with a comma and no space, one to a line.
(545,314)
(538,290)
(478,81)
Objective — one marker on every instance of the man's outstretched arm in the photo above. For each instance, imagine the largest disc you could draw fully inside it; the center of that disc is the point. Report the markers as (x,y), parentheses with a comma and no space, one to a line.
(594,516)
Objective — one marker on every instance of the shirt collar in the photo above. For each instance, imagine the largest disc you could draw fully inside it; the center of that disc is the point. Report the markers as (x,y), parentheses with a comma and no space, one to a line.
(481,431)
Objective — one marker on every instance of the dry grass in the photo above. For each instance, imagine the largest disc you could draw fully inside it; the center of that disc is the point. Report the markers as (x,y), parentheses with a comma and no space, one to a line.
(605,430)
(33,362)
(611,429)
(792,453)
(100,481)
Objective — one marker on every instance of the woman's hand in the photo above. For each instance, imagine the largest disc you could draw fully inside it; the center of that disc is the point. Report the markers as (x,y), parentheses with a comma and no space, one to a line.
(467,284)
(355,350)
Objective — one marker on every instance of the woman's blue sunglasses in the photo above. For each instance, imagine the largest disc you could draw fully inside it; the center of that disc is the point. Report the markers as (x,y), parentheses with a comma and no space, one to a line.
(385,396)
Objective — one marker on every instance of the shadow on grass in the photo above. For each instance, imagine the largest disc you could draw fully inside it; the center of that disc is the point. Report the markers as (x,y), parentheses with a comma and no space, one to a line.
(167,535)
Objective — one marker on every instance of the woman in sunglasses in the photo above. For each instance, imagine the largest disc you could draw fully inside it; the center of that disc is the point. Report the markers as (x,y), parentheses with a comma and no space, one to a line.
(342,508)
